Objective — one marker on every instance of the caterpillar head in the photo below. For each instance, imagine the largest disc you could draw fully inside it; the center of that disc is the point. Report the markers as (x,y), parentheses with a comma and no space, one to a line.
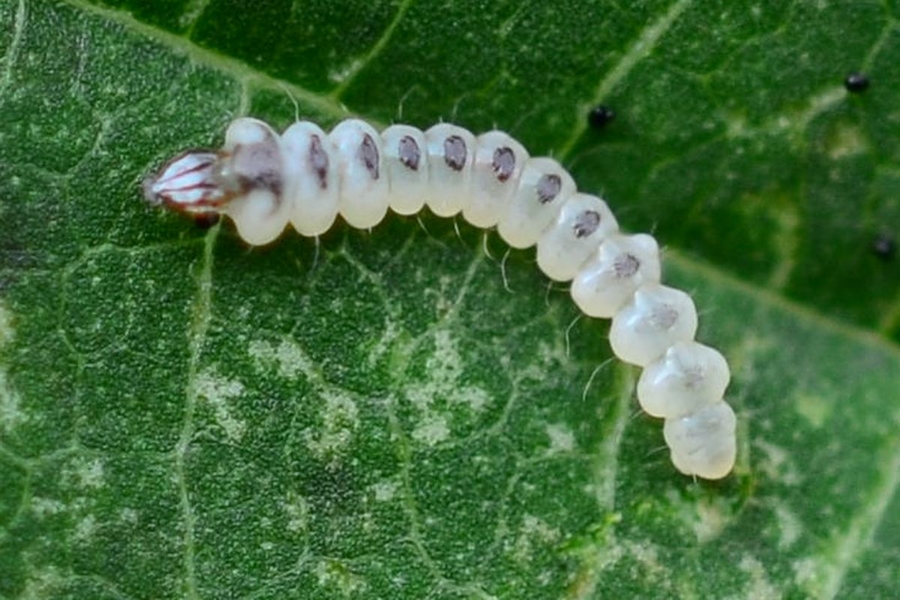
(190,182)
(203,181)
(244,181)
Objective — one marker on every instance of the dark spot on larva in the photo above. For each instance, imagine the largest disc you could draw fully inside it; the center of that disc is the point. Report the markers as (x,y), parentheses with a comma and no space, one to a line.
(626,265)
(206,220)
(368,155)
(693,377)
(600,116)
(455,152)
(318,158)
(548,188)
(259,166)
(885,247)
(663,317)
(409,153)
(504,163)
(856,82)
(586,223)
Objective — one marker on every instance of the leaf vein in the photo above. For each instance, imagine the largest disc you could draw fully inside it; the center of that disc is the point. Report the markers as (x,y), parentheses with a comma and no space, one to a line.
(379,46)
(238,70)
(12,53)
(193,12)
(196,340)
(641,48)
(861,531)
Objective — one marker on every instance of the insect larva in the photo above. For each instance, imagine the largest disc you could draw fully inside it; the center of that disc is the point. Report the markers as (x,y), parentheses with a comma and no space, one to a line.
(307,177)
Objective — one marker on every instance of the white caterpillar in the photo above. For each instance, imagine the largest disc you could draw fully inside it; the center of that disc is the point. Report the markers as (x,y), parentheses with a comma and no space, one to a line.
(307,177)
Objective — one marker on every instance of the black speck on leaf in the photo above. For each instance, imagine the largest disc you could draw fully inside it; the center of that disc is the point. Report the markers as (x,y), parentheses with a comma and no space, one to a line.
(856,82)
(600,116)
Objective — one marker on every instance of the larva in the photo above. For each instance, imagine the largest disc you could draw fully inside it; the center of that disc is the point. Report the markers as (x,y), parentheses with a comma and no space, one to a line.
(306,177)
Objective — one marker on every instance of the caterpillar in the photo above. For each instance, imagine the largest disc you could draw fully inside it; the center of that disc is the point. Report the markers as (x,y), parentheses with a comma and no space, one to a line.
(305,177)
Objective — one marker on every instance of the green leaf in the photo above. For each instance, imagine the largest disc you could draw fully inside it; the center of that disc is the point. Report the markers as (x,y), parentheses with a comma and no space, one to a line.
(412,412)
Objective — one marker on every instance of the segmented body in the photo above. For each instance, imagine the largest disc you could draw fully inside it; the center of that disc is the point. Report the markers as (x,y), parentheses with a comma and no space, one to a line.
(306,177)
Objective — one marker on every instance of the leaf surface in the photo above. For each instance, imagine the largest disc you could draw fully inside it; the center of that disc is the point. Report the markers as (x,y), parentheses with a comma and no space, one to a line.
(411,412)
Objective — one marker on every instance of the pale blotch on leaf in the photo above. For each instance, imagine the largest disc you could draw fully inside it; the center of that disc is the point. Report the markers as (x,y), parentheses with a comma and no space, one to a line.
(46,507)
(808,575)
(533,533)
(333,573)
(386,343)
(442,369)
(611,551)
(561,438)
(6,328)
(711,521)
(647,555)
(288,357)
(218,392)
(384,491)
(735,125)
(776,463)
(444,387)
(338,421)
(474,397)
(83,473)
(707,518)
(845,140)
(296,509)
(91,474)
(431,430)
(759,587)
(85,529)
(547,359)
(11,414)
(789,525)
(812,407)
(444,297)
(45,582)
(129,515)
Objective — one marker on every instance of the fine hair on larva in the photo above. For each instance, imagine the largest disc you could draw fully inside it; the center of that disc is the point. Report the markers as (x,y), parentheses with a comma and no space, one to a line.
(305,177)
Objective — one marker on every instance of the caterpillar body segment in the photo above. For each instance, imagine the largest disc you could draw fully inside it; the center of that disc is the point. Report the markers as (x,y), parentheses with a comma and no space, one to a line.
(311,182)
(360,170)
(608,281)
(498,161)
(703,443)
(581,225)
(655,318)
(254,179)
(688,377)
(306,177)
(451,154)
(408,171)
(544,185)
